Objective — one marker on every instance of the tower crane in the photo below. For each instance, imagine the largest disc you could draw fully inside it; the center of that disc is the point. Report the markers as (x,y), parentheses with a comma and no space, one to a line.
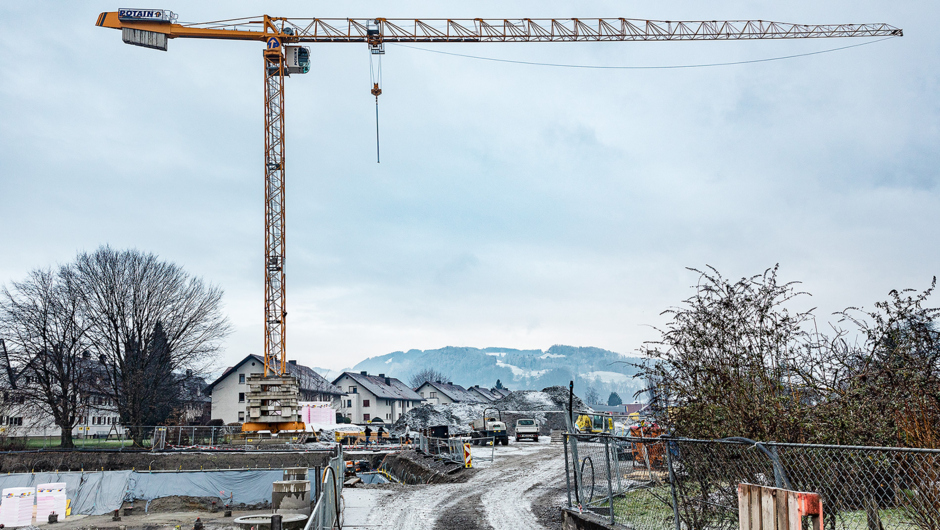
(284,55)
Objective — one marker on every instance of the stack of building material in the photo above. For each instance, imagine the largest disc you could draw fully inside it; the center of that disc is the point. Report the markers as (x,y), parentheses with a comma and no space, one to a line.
(50,498)
(17,507)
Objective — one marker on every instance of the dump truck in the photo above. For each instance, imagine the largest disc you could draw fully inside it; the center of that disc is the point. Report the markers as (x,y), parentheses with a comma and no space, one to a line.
(527,429)
(489,427)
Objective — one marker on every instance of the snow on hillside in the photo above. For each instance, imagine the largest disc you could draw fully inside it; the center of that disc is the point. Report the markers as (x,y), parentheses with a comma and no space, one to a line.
(519,373)
(607,377)
(551,356)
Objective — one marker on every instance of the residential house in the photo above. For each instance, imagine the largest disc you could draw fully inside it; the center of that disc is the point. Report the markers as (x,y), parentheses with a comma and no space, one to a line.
(501,392)
(229,390)
(370,398)
(441,393)
(196,406)
(487,395)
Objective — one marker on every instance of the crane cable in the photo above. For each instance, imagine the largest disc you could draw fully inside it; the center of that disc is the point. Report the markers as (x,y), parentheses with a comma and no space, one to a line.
(665,67)
(375,75)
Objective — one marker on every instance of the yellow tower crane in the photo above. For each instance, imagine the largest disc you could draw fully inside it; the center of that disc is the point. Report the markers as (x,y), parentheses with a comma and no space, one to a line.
(284,55)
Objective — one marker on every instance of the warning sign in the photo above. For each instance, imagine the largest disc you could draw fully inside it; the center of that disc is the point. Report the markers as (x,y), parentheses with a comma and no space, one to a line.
(467,461)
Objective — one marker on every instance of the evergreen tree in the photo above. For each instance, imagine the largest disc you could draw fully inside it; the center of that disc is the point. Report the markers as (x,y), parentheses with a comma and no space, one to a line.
(499,384)
(614,400)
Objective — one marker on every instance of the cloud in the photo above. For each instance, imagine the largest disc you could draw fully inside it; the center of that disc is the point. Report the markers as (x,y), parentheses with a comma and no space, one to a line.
(514,206)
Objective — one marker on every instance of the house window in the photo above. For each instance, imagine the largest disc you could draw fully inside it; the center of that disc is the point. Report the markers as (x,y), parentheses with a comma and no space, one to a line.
(241,397)
(388,416)
(349,403)
(422,394)
(352,390)
(365,417)
(365,402)
(433,394)
(15,421)
(241,379)
(241,416)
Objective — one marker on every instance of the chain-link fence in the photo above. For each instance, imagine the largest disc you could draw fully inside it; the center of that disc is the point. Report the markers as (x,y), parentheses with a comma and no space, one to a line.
(669,484)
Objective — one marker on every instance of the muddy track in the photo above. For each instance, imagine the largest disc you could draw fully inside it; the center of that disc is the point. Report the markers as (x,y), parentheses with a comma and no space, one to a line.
(507,494)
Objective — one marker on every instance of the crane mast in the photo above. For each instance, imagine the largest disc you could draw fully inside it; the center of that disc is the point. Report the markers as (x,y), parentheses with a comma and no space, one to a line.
(273,396)
(275,313)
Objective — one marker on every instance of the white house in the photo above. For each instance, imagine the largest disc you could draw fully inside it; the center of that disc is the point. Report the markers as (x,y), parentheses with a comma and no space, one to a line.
(440,393)
(370,398)
(229,390)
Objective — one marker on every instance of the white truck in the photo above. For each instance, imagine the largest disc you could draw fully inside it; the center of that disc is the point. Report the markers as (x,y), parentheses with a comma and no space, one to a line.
(527,429)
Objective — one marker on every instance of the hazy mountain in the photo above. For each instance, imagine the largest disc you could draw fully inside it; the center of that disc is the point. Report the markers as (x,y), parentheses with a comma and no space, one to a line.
(605,370)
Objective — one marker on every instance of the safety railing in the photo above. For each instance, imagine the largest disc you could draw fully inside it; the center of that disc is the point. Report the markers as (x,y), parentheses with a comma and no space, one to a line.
(327,511)
(681,484)
(452,449)
(168,438)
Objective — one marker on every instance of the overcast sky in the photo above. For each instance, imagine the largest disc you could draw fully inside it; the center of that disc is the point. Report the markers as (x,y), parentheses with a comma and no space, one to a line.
(515,206)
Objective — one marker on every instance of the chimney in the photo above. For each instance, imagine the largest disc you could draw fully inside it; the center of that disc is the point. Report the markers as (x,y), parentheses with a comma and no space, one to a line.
(294,362)
(388,381)
(364,373)
(450,383)
(381,375)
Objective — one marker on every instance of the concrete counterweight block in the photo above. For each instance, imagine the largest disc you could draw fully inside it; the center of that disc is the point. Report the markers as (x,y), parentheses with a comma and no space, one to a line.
(291,496)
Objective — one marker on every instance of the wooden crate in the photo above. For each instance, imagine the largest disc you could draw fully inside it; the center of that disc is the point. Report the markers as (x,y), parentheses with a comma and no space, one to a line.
(763,508)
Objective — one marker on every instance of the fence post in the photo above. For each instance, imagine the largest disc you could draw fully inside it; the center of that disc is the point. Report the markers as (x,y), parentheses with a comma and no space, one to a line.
(610,487)
(672,484)
(567,475)
(575,461)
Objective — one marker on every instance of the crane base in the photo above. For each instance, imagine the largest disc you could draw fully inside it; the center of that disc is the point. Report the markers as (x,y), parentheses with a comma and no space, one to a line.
(274,427)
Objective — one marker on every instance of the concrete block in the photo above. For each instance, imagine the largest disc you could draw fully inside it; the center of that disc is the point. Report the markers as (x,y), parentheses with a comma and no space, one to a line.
(292,496)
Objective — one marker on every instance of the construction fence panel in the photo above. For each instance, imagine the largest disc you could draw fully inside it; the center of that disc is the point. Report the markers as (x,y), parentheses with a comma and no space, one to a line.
(328,508)
(119,437)
(667,483)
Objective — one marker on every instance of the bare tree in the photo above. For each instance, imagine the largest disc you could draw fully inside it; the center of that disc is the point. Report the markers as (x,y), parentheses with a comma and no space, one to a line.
(148,320)
(591,396)
(424,375)
(42,319)
(723,365)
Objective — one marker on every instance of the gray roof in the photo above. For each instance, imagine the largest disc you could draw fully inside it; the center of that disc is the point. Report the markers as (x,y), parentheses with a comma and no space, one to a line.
(625,408)
(503,392)
(484,393)
(456,393)
(393,389)
(307,378)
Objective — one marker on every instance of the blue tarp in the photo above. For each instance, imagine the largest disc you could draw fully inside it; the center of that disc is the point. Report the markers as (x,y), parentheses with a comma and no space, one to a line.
(98,493)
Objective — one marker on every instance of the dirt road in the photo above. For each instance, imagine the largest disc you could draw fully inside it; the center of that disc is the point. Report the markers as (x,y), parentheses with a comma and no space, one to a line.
(521,490)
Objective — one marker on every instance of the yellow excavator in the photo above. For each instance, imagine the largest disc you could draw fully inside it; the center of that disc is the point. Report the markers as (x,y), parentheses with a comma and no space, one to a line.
(595,423)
